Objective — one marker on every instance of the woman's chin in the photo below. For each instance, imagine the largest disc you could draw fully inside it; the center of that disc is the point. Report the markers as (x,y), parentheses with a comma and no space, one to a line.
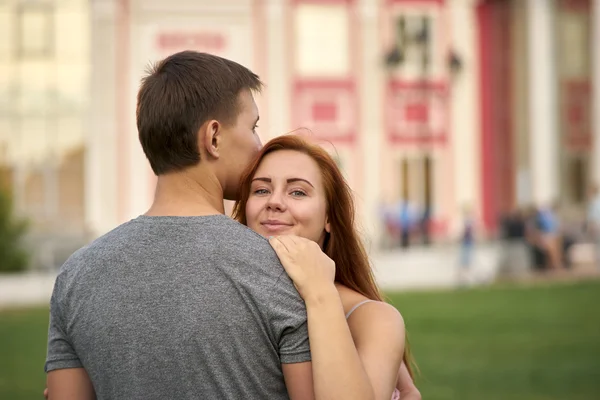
(279,231)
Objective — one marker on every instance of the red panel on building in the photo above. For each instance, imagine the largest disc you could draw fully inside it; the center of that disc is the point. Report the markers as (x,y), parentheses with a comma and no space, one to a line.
(324,2)
(497,140)
(575,5)
(577,115)
(417,112)
(327,104)
(324,111)
(327,108)
(415,2)
(174,41)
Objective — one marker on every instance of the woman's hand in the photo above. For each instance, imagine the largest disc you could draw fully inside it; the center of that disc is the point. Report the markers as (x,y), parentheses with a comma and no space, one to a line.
(312,272)
(406,385)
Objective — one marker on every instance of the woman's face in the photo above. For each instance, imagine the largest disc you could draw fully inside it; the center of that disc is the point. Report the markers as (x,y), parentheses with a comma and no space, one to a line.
(287,197)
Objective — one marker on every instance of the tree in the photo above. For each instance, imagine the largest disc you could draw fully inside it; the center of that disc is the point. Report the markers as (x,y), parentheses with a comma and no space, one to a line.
(13,254)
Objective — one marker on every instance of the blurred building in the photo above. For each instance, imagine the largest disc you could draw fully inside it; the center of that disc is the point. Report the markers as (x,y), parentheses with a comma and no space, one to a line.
(539,84)
(44,92)
(445,103)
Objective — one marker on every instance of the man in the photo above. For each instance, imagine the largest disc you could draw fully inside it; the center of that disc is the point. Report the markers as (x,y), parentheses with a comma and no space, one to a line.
(183,302)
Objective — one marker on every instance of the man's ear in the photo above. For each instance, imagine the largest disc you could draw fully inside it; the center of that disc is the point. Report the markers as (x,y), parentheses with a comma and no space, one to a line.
(209,137)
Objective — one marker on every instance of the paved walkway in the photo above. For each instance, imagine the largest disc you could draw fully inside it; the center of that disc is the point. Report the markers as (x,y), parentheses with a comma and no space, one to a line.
(25,289)
(415,269)
(437,267)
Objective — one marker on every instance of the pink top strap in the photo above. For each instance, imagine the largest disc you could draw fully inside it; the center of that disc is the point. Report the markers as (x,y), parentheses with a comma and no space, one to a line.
(356,306)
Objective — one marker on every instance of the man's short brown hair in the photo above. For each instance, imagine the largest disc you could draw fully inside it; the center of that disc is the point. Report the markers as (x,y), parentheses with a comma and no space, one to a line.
(181,93)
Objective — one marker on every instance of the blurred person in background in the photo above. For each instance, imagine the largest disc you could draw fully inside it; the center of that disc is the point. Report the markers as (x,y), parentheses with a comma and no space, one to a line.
(390,224)
(425,223)
(467,245)
(593,220)
(406,219)
(549,237)
(516,254)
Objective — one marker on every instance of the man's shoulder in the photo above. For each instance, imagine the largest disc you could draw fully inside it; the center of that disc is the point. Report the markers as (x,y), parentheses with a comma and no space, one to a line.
(215,240)
(242,238)
(95,250)
(226,235)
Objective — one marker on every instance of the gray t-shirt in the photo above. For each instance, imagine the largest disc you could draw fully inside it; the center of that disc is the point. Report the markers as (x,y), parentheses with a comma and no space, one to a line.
(178,308)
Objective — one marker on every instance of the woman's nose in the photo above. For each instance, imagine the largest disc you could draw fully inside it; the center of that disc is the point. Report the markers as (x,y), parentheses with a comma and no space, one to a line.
(276,202)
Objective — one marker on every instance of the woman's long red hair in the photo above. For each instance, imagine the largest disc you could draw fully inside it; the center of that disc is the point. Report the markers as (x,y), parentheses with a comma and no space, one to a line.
(342,244)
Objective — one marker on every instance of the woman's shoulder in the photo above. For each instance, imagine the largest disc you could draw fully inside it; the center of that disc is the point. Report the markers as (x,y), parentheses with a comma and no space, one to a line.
(349,297)
(354,301)
(372,321)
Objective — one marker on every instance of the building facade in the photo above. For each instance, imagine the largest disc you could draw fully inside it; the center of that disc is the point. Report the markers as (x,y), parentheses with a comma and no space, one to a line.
(44,100)
(445,103)
(538,92)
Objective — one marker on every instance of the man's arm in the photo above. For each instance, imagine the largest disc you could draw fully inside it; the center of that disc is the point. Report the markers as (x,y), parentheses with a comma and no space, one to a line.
(66,377)
(298,380)
(69,384)
(287,315)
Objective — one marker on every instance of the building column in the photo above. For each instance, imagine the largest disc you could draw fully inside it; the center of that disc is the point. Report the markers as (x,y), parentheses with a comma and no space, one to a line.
(543,122)
(595,53)
(370,133)
(278,76)
(140,183)
(465,124)
(100,168)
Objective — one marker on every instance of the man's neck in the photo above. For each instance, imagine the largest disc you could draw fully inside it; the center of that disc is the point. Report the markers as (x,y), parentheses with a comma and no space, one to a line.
(181,195)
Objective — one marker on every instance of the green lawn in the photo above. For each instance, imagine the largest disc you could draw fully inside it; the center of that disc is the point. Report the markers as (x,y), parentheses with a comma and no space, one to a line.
(485,344)
(506,343)
(22,352)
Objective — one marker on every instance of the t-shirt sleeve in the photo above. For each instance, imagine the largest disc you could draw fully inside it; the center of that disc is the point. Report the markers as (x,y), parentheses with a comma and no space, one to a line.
(289,321)
(60,354)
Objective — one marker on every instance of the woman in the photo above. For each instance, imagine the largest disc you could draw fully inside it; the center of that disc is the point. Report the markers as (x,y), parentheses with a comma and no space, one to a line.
(295,194)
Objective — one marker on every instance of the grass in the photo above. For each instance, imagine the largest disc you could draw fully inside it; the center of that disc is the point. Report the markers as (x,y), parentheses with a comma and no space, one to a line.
(23,335)
(516,343)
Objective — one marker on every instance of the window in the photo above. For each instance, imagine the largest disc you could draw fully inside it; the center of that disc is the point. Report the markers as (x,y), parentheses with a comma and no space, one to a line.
(577,179)
(35,30)
(413,34)
(415,43)
(427,180)
(416,180)
(404,176)
(322,40)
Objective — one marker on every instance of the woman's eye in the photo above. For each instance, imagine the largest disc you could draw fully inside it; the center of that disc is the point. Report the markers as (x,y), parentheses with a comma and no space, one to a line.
(298,193)
(261,191)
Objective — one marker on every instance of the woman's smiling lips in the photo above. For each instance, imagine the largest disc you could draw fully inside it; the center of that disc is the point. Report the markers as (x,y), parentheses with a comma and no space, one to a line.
(274,225)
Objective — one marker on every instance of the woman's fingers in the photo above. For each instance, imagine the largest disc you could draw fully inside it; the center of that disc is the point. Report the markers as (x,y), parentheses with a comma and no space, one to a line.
(277,243)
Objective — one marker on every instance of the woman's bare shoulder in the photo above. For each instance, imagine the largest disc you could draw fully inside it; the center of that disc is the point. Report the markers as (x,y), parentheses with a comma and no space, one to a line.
(351,298)
(372,320)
